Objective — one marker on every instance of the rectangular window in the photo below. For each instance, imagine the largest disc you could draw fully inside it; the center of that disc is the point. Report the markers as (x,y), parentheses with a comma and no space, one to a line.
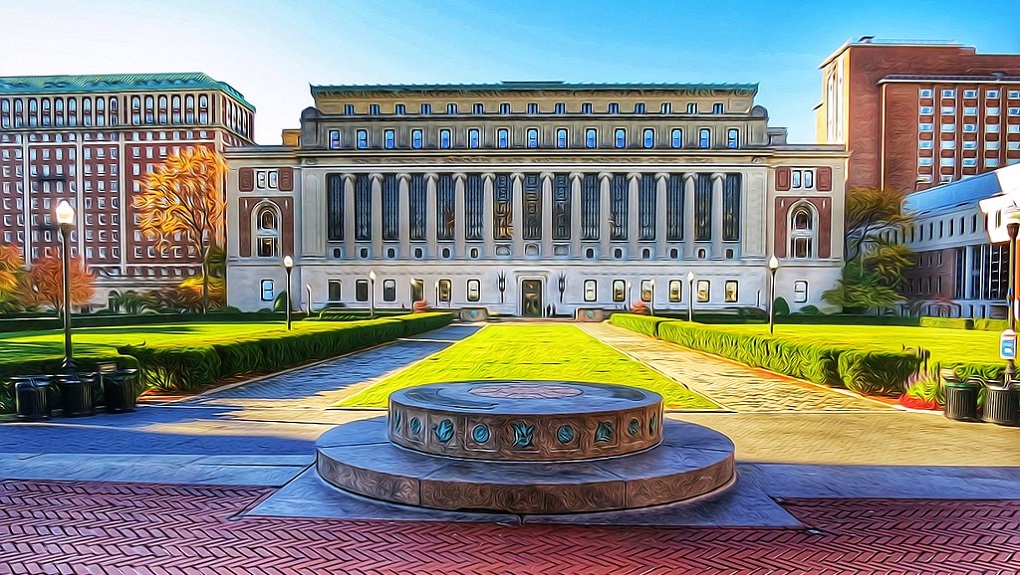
(948,110)
(361,290)
(590,290)
(927,110)
(648,138)
(647,290)
(992,128)
(503,138)
(389,139)
(373,109)
(532,137)
(473,137)
(800,292)
(591,138)
(925,93)
(444,138)
(504,108)
(474,288)
(717,108)
(949,93)
(704,288)
(362,139)
(970,93)
(639,108)
(795,181)
(586,108)
(675,291)
(532,108)
(334,290)
(267,290)
(561,137)
(444,287)
(620,138)
(992,94)
(619,291)
(560,108)
(926,127)
(730,294)
(389,290)
(948,127)
(478,108)
(416,138)
(692,108)
(334,141)
(451,108)
(400,109)
(676,138)
(426,109)
(614,108)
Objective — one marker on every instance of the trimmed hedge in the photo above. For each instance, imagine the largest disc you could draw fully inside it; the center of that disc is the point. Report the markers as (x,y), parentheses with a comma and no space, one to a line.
(647,325)
(991,324)
(947,322)
(112,320)
(873,372)
(174,367)
(813,362)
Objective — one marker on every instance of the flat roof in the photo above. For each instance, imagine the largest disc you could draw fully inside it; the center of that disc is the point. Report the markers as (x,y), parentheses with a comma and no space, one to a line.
(872,41)
(116,83)
(529,86)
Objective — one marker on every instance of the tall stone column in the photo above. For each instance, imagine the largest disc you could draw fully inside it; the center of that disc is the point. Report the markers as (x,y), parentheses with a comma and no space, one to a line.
(968,265)
(517,214)
(377,243)
(431,224)
(459,214)
(689,180)
(717,215)
(487,214)
(633,213)
(349,217)
(660,215)
(605,205)
(547,215)
(404,193)
(575,215)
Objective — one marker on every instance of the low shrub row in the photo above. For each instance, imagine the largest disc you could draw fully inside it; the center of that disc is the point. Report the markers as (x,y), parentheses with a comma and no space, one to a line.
(175,367)
(118,320)
(872,372)
(647,325)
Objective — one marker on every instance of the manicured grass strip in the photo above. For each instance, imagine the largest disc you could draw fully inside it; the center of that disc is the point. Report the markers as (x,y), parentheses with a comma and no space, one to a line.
(543,352)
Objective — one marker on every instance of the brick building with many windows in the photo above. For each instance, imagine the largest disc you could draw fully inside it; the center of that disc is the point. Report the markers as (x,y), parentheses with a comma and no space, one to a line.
(91,140)
(915,115)
(534,198)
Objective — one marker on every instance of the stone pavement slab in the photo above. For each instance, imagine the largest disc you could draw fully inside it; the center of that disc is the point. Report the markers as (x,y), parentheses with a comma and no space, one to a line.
(736,387)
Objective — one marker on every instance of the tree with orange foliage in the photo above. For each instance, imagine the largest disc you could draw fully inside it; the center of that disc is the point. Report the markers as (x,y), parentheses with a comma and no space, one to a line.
(11,267)
(43,284)
(184,195)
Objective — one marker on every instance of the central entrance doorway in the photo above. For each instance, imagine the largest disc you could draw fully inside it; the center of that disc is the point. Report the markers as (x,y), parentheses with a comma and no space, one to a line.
(531,298)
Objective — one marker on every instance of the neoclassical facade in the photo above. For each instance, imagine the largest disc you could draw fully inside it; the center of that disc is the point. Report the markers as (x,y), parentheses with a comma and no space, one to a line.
(534,199)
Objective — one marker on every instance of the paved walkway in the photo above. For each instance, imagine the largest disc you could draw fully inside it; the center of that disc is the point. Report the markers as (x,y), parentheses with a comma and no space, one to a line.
(57,527)
(735,387)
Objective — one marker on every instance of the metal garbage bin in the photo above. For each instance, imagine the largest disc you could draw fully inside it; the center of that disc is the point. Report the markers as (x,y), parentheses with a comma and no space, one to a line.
(1002,403)
(962,399)
(119,390)
(77,390)
(30,397)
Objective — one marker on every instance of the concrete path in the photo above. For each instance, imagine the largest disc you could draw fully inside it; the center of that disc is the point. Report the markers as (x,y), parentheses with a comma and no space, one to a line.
(736,387)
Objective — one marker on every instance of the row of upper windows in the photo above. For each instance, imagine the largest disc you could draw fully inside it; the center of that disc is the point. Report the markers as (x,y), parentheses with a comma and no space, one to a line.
(503,139)
(505,108)
(950,162)
(947,227)
(969,111)
(99,111)
(969,93)
(968,128)
(112,136)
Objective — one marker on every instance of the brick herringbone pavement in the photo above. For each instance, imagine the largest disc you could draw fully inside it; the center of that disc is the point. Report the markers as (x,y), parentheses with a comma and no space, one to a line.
(68,527)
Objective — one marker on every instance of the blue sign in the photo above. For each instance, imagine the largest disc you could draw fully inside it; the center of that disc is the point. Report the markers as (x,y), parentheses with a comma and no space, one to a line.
(1007,344)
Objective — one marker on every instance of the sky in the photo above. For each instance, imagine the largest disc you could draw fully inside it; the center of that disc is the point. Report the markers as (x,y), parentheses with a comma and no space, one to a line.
(271,51)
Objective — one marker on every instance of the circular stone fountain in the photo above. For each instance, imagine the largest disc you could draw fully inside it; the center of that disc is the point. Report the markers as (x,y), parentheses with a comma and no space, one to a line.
(526,447)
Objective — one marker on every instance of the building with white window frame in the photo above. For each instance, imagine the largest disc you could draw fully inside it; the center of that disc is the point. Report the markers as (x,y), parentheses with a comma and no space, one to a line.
(534,198)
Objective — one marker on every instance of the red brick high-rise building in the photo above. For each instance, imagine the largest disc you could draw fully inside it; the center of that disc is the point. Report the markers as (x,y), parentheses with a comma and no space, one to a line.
(91,140)
(915,115)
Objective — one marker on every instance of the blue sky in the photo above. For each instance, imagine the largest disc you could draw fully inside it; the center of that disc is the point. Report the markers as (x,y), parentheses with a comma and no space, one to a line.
(273,52)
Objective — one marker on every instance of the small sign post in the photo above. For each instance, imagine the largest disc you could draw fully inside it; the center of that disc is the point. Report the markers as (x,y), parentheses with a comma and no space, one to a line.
(1007,344)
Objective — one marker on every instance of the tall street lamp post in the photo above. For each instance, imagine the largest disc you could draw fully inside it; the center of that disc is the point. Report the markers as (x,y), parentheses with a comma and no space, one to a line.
(690,296)
(773,268)
(626,300)
(288,264)
(1012,218)
(371,294)
(65,221)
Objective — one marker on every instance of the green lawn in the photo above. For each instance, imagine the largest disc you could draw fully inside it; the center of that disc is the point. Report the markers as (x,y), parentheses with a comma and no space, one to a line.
(946,345)
(26,345)
(559,352)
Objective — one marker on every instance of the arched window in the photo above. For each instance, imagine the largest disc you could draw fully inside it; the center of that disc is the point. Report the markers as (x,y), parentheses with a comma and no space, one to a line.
(5,113)
(162,109)
(17,113)
(676,138)
(86,112)
(175,109)
(100,112)
(267,231)
(58,111)
(136,110)
(189,109)
(114,120)
(45,111)
(203,109)
(802,231)
(150,116)
(72,112)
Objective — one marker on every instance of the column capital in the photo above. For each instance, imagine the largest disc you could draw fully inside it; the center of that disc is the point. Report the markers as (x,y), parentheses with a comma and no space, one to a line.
(517,176)
(605,175)
(459,177)
(403,178)
(576,176)
(690,177)
(662,176)
(431,178)
(348,179)
(634,176)
(488,177)
(375,177)
(718,176)
(546,176)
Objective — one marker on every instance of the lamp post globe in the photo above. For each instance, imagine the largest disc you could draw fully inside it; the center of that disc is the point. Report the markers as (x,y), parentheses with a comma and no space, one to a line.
(773,268)
(288,266)
(65,222)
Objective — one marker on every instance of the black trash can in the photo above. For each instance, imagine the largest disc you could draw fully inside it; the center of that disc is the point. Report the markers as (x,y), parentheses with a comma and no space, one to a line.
(119,389)
(1002,404)
(962,400)
(77,390)
(30,397)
